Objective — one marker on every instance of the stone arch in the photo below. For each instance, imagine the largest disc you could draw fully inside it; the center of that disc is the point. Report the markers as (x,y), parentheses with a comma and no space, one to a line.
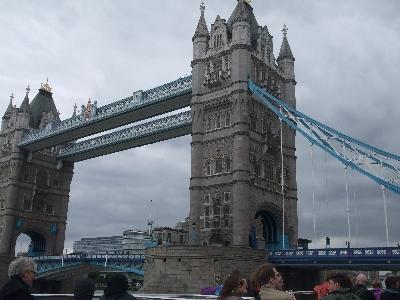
(266,228)
(39,241)
(264,232)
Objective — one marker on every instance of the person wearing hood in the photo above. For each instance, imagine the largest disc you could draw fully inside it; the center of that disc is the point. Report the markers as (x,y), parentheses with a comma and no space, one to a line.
(84,289)
(117,288)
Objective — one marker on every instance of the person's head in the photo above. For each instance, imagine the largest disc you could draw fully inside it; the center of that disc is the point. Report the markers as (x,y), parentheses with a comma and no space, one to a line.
(23,267)
(267,274)
(338,281)
(361,279)
(253,284)
(84,289)
(117,284)
(376,284)
(392,282)
(234,285)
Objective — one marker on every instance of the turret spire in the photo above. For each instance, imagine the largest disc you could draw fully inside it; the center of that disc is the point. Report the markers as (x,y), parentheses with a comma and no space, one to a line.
(202,8)
(285,51)
(201,30)
(25,103)
(74,113)
(8,112)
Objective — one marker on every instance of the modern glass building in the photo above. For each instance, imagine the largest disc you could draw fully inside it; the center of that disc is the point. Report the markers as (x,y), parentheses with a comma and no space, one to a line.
(135,242)
(99,245)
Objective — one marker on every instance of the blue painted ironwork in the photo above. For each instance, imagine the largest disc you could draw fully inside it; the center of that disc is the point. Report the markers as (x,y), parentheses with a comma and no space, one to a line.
(123,262)
(337,256)
(134,132)
(381,166)
(139,99)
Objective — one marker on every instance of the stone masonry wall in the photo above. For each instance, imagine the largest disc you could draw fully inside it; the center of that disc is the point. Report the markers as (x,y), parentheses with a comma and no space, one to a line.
(188,269)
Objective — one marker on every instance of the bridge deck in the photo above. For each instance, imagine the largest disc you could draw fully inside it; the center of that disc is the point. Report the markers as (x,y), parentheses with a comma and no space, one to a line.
(169,97)
(147,133)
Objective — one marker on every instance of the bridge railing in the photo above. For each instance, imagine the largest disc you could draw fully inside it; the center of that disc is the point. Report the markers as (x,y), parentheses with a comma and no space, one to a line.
(89,257)
(304,295)
(335,253)
(175,88)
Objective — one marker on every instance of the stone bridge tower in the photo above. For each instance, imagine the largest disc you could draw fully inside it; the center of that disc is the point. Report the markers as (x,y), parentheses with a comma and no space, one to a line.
(34,191)
(235,191)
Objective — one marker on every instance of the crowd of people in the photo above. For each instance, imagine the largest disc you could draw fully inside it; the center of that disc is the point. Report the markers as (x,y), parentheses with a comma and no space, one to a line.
(265,283)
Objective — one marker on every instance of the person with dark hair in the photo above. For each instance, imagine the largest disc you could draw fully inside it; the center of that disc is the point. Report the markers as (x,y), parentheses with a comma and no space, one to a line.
(253,289)
(117,288)
(360,288)
(22,272)
(377,289)
(84,289)
(235,286)
(340,288)
(271,283)
(392,291)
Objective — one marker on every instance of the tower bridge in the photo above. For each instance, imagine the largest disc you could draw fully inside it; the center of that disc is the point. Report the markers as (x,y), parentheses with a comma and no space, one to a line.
(243,122)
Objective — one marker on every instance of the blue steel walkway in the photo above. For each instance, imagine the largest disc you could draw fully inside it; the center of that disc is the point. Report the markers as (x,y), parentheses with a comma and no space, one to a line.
(123,262)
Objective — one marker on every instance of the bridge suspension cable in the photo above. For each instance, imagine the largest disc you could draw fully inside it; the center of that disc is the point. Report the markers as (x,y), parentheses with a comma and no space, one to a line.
(365,159)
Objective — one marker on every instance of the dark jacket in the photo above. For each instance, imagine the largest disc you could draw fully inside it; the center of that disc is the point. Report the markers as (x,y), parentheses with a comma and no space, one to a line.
(15,289)
(390,294)
(342,294)
(120,296)
(362,292)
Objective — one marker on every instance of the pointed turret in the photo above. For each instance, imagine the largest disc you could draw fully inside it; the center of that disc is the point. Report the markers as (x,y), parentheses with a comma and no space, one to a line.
(244,12)
(201,29)
(42,103)
(8,112)
(200,43)
(286,65)
(285,51)
(25,103)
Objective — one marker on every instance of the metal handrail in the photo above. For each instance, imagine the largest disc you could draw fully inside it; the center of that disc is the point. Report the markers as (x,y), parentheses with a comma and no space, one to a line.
(160,296)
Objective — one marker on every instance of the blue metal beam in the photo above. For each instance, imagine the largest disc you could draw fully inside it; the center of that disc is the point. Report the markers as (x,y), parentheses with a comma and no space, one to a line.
(367,160)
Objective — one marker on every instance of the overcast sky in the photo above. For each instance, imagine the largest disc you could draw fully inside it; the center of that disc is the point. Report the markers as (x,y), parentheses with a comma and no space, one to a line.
(347,68)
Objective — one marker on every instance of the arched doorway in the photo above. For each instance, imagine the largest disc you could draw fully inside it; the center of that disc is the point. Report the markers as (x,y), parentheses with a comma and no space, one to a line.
(30,243)
(264,232)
